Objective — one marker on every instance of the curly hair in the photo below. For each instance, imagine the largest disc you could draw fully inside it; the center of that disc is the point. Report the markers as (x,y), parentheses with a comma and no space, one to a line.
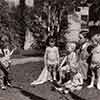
(49,39)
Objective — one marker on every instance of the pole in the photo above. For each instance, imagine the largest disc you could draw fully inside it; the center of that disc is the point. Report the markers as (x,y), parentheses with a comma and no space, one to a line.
(22,21)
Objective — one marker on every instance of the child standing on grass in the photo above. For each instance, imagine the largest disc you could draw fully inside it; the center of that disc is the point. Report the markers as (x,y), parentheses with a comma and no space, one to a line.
(5,65)
(84,55)
(51,61)
(95,62)
(51,58)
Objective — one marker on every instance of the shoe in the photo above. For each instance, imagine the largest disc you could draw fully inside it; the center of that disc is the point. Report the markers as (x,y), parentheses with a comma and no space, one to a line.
(9,84)
(32,84)
(59,89)
(3,87)
(98,86)
(90,86)
(66,91)
(51,80)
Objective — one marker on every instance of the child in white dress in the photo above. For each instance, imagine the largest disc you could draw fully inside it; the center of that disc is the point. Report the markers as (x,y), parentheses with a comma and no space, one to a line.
(72,66)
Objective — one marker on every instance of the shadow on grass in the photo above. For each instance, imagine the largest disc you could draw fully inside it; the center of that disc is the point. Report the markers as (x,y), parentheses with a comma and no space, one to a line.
(71,94)
(31,96)
(75,97)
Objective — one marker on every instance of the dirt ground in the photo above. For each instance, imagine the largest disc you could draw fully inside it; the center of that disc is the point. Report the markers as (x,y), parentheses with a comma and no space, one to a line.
(22,75)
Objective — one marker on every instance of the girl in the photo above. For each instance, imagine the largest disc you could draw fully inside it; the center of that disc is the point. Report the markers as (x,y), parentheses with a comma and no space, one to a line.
(95,63)
(84,54)
(70,60)
(51,60)
(72,67)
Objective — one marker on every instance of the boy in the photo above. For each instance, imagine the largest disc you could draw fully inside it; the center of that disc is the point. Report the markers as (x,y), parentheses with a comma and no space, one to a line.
(51,58)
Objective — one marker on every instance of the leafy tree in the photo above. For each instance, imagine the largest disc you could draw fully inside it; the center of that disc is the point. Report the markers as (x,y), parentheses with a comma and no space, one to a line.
(47,17)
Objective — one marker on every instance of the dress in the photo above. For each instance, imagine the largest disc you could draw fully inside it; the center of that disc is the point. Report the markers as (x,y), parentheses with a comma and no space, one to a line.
(76,79)
(83,60)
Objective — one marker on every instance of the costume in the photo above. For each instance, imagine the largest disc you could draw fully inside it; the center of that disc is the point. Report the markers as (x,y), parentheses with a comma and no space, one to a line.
(71,63)
(84,54)
(73,67)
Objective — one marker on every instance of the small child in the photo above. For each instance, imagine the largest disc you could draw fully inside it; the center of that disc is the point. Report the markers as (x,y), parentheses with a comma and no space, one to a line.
(5,64)
(71,66)
(70,60)
(95,63)
(51,58)
(84,54)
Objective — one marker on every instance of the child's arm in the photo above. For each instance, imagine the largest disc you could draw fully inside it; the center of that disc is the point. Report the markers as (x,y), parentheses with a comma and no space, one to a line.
(58,56)
(6,52)
(12,51)
(45,57)
(73,60)
(63,62)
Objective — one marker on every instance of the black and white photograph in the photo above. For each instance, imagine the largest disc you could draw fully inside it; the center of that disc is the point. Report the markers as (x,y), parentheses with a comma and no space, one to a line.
(49,49)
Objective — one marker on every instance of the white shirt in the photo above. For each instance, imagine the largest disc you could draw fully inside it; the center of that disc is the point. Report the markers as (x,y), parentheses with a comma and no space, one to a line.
(52,55)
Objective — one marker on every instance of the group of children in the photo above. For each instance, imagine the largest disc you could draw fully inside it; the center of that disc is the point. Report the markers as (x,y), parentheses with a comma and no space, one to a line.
(71,73)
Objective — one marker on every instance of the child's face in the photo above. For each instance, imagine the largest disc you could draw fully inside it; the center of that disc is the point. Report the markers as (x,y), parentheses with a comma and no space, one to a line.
(70,47)
(52,43)
(95,39)
(94,42)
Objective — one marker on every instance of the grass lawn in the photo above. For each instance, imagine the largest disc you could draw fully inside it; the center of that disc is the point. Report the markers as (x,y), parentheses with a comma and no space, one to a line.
(23,75)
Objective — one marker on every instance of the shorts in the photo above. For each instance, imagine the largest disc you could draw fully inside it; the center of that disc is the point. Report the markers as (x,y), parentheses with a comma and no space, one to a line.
(52,68)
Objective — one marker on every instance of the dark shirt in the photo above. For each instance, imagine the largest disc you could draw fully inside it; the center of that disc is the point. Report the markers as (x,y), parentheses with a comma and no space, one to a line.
(94,15)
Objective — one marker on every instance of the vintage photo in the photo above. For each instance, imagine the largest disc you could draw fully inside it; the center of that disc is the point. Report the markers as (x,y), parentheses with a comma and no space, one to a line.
(49,49)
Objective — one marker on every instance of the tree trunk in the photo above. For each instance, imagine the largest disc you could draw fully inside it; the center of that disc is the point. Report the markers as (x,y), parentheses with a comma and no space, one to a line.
(22,21)
(74,28)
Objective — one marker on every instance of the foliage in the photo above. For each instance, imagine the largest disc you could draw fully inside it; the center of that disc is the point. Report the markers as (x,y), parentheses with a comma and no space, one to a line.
(45,18)
(9,24)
